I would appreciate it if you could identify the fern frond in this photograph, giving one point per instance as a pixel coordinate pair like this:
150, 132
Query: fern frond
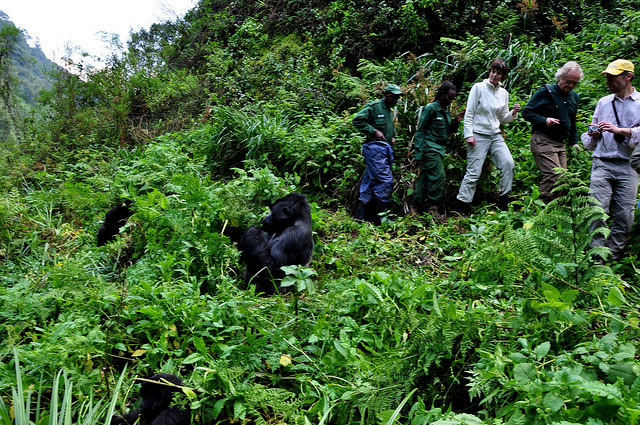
555, 242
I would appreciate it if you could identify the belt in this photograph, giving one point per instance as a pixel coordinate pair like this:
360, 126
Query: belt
547, 136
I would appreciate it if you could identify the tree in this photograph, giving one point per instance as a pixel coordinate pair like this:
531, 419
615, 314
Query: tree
9, 37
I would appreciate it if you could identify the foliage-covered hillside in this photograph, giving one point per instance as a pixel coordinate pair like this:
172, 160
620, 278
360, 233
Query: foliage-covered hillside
502, 317
30, 67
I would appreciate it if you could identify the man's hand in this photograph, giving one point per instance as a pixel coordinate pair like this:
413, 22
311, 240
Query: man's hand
379, 135
612, 128
552, 122
471, 140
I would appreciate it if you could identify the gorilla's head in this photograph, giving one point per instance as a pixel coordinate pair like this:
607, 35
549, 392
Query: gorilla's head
285, 211
157, 397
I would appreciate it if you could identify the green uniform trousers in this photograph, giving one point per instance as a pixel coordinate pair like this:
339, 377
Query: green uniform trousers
430, 184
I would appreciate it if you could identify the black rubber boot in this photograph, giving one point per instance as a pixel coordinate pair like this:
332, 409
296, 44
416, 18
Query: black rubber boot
361, 210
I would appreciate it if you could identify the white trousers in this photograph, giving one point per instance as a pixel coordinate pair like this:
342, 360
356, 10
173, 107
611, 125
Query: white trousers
496, 147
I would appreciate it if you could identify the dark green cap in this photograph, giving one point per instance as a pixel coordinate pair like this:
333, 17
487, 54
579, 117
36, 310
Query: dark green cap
394, 89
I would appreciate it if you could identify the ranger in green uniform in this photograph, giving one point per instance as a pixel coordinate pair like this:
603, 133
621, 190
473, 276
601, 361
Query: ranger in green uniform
376, 122
434, 129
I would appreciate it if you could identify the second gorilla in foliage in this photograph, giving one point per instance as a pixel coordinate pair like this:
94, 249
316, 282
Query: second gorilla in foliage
156, 406
114, 219
284, 239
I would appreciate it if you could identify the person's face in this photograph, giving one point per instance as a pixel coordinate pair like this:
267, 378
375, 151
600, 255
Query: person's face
391, 99
495, 76
617, 83
569, 81
448, 97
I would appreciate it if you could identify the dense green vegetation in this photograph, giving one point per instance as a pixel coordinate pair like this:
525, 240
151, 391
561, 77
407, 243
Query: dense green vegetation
502, 317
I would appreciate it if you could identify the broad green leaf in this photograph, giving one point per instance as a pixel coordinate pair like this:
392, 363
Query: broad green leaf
340, 348
518, 357
524, 373
626, 371
217, 408
569, 296
601, 389
193, 358
436, 307
542, 349
239, 410
550, 293
615, 297
552, 402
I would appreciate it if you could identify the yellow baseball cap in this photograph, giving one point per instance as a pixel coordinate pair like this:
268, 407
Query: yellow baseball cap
617, 67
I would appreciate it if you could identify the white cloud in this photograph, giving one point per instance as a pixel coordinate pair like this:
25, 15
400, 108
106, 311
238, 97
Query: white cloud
79, 23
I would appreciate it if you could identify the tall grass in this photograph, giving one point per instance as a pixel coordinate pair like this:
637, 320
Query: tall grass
61, 411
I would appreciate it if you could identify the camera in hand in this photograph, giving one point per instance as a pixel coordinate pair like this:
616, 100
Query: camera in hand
593, 128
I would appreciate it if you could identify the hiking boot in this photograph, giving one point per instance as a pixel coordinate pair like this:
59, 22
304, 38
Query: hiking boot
435, 213
503, 202
462, 208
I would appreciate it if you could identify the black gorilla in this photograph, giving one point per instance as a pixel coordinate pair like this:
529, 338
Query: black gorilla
155, 409
114, 219
285, 239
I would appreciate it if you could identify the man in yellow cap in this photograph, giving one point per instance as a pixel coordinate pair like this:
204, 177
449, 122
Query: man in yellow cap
613, 134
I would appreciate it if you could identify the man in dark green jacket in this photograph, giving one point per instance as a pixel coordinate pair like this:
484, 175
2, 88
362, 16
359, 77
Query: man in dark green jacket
434, 127
376, 122
552, 113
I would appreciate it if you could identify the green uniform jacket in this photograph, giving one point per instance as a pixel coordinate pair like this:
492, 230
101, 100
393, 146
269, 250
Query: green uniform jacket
434, 129
375, 116
562, 106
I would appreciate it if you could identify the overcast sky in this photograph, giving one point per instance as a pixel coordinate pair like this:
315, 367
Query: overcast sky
54, 24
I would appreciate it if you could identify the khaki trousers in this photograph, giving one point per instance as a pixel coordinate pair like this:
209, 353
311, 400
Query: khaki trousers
548, 154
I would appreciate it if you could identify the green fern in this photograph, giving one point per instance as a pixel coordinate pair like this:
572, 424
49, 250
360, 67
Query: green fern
555, 243
279, 403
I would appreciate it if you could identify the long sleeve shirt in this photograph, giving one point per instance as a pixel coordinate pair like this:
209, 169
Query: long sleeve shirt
606, 147
556, 104
487, 109
434, 128
374, 116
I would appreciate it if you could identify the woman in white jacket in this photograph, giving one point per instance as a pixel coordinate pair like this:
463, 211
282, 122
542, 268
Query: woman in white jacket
487, 109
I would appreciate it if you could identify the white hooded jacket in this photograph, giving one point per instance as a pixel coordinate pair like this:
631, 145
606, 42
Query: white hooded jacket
487, 109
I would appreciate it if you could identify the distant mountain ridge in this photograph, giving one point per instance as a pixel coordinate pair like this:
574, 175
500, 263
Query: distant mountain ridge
31, 66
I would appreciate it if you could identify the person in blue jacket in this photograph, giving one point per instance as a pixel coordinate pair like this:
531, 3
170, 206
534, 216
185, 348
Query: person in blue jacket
375, 120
